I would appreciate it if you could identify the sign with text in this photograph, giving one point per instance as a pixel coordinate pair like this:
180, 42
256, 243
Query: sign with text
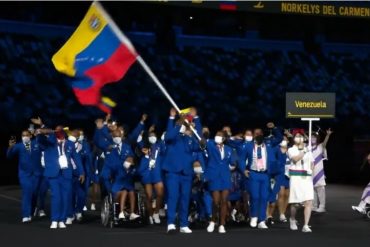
310, 105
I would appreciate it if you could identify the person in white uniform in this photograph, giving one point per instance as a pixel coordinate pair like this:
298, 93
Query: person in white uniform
301, 185
318, 176
365, 198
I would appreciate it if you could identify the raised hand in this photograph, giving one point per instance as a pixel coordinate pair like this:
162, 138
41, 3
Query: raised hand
152, 128
144, 117
36, 121
173, 112
329, 131
108, 117
270, 125
193, 111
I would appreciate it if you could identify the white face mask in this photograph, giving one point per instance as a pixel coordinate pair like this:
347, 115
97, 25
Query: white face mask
117, 140
284, 143
152, 139
72, 138
182, 129
298, 140
126, 164
26, 139
219, 139
81, 138
198, 170
248, 138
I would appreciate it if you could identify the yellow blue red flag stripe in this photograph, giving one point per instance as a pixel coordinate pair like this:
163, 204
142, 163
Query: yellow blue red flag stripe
97, 53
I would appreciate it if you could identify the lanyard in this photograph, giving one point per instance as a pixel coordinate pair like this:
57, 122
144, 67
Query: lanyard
61, 148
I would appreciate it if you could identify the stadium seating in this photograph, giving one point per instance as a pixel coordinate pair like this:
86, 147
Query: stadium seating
234, 85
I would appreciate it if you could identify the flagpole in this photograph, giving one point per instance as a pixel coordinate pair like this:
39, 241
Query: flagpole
164, 91
141, 61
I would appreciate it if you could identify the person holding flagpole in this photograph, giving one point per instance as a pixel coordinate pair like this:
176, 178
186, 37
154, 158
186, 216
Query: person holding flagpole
178, 168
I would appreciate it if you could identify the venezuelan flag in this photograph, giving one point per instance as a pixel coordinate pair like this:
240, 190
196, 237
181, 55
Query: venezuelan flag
97, 53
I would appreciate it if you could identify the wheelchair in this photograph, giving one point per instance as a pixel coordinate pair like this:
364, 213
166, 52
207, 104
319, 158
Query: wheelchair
111, 209
367, 211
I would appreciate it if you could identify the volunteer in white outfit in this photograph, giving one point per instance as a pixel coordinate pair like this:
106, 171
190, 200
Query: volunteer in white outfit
301, 185
318, 176
365, 198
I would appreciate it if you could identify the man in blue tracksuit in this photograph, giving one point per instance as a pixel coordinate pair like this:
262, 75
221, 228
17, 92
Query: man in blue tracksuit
29, 171
178, 167
79, 190
256, 160
58, 155
104, 142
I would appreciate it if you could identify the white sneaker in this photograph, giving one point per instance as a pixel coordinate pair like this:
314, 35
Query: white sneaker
321, 210
69, 221
62, 225
221, 229
26, 219
262, 225
78, 216
151, 221
162, 212
293, 225
306, 228
314, 209
185, 230
156, 219
171, 228
134, 216
54, 225
361, 210
84, 209
283, 218
92, 207
121, 215
42, 213
253, 222
211, 226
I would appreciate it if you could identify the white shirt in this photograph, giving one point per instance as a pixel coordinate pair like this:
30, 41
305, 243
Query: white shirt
254, 166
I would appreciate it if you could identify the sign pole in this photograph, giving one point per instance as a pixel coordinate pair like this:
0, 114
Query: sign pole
310, 120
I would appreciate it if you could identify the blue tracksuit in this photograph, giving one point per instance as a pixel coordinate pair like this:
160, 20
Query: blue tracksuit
80, 191
236, 186
60, 180
103, 139
258, 182
217, 171
151, 175
200, 193
113, 163
29, 173
280, 179
178, 166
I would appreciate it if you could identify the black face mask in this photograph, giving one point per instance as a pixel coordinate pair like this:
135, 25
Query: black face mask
259, 139
206, 135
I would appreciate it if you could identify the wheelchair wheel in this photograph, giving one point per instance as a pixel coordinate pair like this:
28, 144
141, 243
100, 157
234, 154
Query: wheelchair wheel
106, 212
368, 214
141, 206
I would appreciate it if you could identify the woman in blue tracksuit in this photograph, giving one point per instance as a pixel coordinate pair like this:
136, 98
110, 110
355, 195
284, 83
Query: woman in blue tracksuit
218, 175
150, 173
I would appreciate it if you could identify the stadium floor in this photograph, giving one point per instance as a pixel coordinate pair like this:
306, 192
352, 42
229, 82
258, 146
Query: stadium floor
340, 226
